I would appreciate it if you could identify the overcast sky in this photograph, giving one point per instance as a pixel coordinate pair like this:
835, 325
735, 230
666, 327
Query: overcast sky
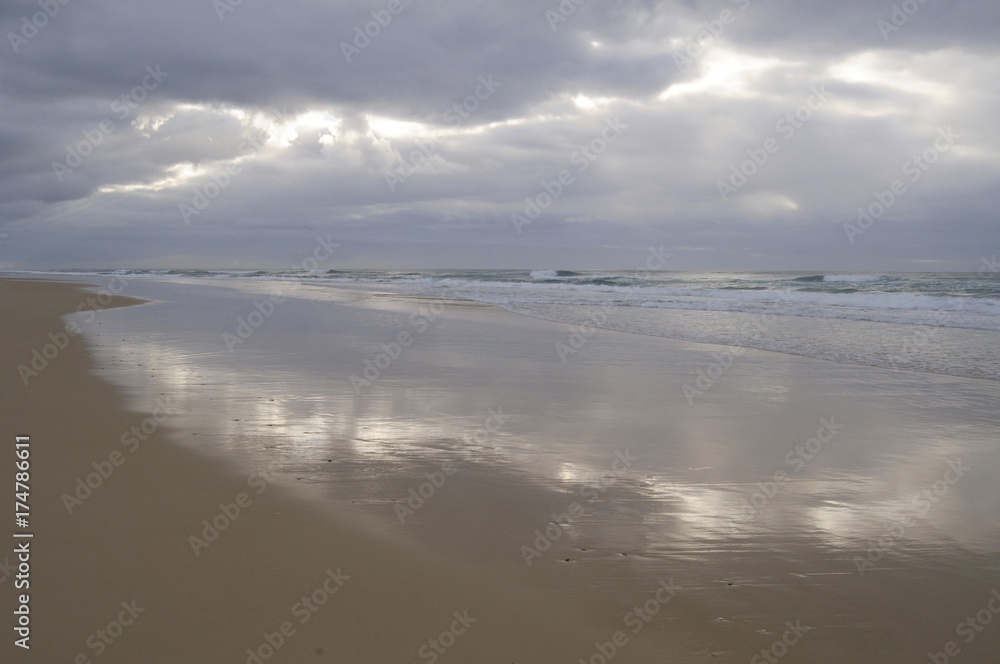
232, 134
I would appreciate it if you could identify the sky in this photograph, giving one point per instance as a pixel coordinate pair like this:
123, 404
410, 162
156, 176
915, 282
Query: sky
735, 134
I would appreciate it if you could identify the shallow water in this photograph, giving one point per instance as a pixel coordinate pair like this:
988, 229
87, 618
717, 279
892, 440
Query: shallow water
861, 501
944, 323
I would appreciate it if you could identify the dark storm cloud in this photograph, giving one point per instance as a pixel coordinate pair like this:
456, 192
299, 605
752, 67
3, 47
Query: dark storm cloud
223, 133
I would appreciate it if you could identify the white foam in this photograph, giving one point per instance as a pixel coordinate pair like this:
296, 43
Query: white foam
855, 278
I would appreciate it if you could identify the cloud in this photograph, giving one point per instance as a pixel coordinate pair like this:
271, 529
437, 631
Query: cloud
451, 117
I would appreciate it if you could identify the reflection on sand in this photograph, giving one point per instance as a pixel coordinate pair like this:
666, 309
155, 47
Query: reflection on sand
701, 502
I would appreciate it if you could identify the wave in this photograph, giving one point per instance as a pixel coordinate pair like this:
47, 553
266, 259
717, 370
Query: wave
935, 299
844, 278
855, 278
866, 317
554, 274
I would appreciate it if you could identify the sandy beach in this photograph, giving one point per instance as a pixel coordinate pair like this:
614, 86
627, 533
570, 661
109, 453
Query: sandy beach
475, 497
395, 332
128, 542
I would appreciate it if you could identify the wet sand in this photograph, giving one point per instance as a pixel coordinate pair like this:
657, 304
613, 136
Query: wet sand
785, 492
129, 542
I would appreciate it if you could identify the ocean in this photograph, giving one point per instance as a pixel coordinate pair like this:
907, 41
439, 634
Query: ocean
943, 323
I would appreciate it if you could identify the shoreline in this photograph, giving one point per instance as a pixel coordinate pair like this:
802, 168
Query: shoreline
962, 351
272, 471
128, 542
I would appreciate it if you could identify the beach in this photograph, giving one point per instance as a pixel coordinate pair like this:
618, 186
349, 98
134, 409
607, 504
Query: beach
399, 332
297, 472
129, 542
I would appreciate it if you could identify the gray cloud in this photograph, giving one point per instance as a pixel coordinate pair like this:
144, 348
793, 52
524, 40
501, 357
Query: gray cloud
260, 114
